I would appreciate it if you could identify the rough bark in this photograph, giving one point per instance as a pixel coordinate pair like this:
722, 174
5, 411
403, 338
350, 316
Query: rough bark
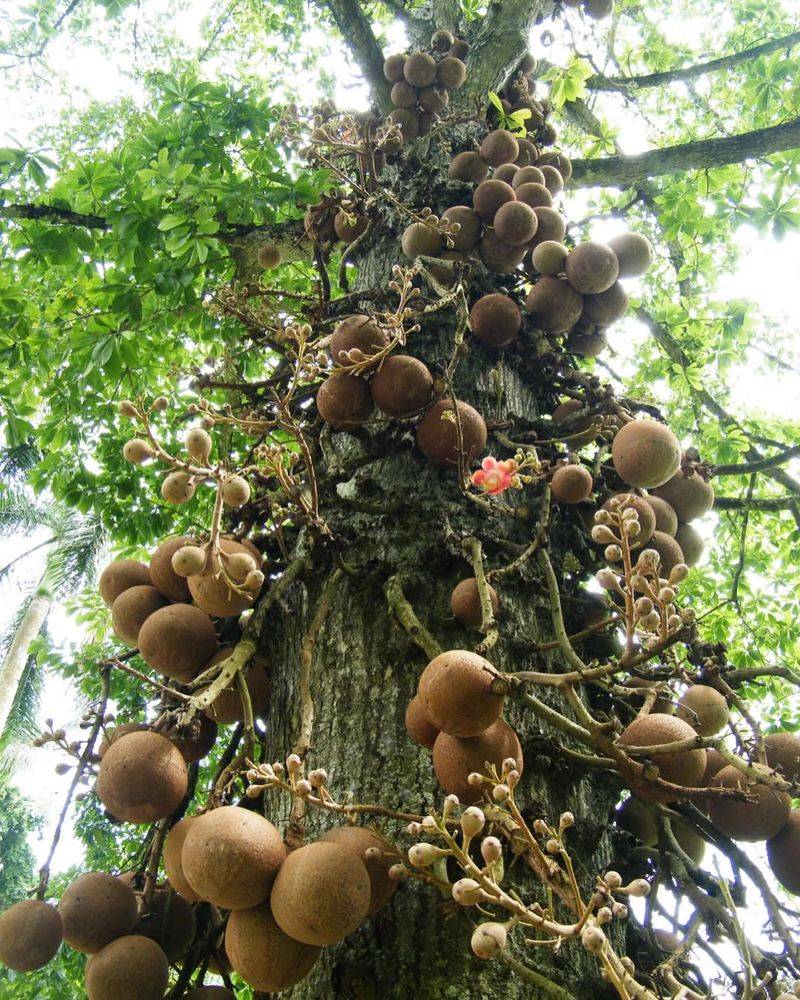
393, 515
14, 664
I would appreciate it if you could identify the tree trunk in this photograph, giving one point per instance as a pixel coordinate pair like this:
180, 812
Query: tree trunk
393, 515
14, 664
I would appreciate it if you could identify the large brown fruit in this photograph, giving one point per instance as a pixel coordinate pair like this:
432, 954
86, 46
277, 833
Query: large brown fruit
760, 819
689, 496
403, 95
227, 706
454, 758
489, 196
393, 67
321, 894
534, 196
495, 319
132, 966
173, 846
506, 173
262, 954
606, 307
553, 180
421, 240
549, 257
634, 253
350, 225
455, 690
499, 147
515, 223
670, 553
783, 853
499, 257
704, 708
142, 778
783, 754
690, 542
552, 226
230, 857
30, 935
169, 921
177, 641
211, 591
434, 99
666, 518
468, 167
465, 602
554, 305
359, 333
560, 161
163, 576
196, 741
451, 72
121, 575
95, 909
527, 175
592, 268
469, 234
686, 767
402, 386
420, 69
527, 152
647, 518
418, 726
437, 433
645, 453
132, 609
359, 839
117, 732
714, 764
344, 401
571, 484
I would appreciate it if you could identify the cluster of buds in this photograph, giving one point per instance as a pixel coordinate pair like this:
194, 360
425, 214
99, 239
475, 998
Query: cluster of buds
502, 785
289, 777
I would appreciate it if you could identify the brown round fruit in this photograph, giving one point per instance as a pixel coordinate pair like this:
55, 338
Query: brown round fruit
554, 305
95, 909
606, 307
714, 764
469, 234
121, 575
468, 167
117, 732
434, 100
454, 758
761, 819
211, 591
645, 453
666, 518
704, 708
230, 857
359, 839
321, 894
418, 726
690, 542
451, 72
527, 152
499, 257
402, 386
670, 553
269, 256
552, 226
408, 122
142, 778
689, 496
163, 576
350, 225
634, 253
571, 484
420, 69
549, 257
169, 921
515, 223
393, 67
783, 853
553, 180
421, 240
173, 846
456, 692
465, 602
647, 519
132, 609
437, 433
30, 935
592, 268
534, 195
403, 95
495, 319
506, 173
560, 161
356, 333
783, 754
527, 175
686, 767
227, 706
177, 641
344, 401
196, 742
586, 344
132, 966
499, 147
489, 196
262, 954
639, 820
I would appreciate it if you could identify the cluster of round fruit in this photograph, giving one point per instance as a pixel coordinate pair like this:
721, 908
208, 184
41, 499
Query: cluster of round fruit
284, 906
422, 81
765, 813
457, 716
519, 95
130, 940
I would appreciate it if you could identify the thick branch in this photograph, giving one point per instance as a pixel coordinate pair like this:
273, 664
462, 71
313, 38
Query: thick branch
356, 30
746, 468
50, 213
705, 154
770, 504
599, 82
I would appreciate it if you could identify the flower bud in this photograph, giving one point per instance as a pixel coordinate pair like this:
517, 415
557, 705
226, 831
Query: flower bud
136, 451
472, 821
648, 559
603, 535
566, 820
294, 764
423, 855
467, 892
642, 606
687, 615
612, 879
639, 887
127, 409
666, 595
607, 579
552, 846
303, 787
474, 779
429, 824
674, 622
632, 528
491, 849
398, 873
500, 793
604, 915
593, 939
254, 580
414, 829
678, 573
540, 827
613, 553
620, 911
160, 403
651, 622
603, 517
318, 777
488, 939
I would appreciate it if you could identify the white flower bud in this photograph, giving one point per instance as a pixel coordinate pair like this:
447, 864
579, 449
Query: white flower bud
603, 535
540, 827
613, 553
607, 579
472, 821
552, 846
648, 559
612, 879
474, 779
603, 517
642, 606
423, 855
639, 887
678, 573
666, 595
293, 764
674, 622
451, 802
491, 849
593, 939
632, 528
500, 793
303, 787
566, 820
414, 829
687, 614
429, 824
651, 622
318, 777
398, 873
604, 915
620, 911
467, 892
488, 939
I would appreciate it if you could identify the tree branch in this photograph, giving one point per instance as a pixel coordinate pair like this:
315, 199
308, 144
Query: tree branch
600, 82
755, 503
50, 213
356, 30
745, 468
704, 154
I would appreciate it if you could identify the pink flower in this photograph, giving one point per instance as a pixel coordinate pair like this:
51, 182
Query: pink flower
495, 477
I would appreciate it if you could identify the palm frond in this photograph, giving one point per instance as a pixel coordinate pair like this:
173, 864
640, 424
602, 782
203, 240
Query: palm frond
19, 512
73, 559
16, 461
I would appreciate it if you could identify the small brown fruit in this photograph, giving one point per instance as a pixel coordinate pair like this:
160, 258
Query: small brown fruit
402, 386
506, 173
120, 575
471, 227
459, 49
489, 196
321, 894
178, 488
527, 175
761, 819
554, 305
783, 854
534, 195
552, 226
499, 147
690, 542
437, 433
359, 839
560, 161
566, 409
262, 954
685, 767
451, 72
420, 69
666, 518
704, 708
132, 966
456, 691
469, 168
515, 223
689, 496
95, 909
465, 602
173, 846
495, 319
418, 726
645, 453
421, 240
136, 451
499, 257
549, 257
592, 268
30, 935
441, 40
634, 253
132, 609
269, 256
177, 641
455, 758
571, 484
606, 307
142, 778
235, 491
162, 573
350, 225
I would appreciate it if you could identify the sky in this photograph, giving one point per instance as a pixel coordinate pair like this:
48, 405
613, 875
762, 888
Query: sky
768, 274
